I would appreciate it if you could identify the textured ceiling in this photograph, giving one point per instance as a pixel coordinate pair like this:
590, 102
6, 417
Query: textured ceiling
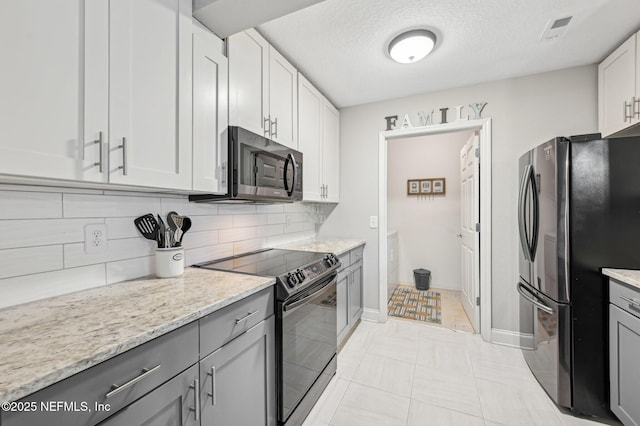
340, 45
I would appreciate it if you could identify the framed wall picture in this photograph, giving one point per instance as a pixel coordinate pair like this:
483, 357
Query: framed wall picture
438, 186
413, 187
425, 186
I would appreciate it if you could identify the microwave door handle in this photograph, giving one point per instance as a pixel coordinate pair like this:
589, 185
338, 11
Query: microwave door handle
291, 160
524, 239
536, 213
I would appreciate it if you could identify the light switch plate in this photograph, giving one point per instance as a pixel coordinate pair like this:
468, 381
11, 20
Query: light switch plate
373, 222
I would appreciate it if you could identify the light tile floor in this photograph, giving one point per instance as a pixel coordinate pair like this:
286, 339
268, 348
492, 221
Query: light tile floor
412, 374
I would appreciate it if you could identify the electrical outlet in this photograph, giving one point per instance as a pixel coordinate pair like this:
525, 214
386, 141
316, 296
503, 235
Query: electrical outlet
373, 222
95, 238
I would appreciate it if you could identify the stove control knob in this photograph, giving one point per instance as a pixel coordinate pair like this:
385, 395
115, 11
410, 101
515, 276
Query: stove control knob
292, 279
301, 276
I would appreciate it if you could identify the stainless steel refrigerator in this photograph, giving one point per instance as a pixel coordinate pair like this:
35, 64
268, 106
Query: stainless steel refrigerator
578, 211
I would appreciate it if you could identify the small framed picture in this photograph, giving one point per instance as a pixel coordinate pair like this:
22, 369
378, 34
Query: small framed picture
438, 186
413, 187
425, 186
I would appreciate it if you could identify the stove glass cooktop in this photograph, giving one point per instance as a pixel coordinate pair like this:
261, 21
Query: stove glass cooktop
270, 262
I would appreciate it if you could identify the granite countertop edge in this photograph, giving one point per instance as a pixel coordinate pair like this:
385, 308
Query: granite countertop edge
337, 246
630, 277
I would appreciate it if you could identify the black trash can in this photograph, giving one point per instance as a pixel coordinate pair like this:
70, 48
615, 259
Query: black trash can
422, 278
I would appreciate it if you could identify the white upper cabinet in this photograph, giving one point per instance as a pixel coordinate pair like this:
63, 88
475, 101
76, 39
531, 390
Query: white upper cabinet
210, 109
54, 86
150, 93
263, 89
97, 91
619, 88
319, 142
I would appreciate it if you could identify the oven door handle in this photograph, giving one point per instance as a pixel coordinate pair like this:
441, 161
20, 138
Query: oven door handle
290, 306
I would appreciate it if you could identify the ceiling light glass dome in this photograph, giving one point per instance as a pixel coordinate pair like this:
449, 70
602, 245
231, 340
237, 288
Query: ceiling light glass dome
411, 46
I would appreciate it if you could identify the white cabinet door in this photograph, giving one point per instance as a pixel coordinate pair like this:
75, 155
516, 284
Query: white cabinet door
249, 81
150, 93
53, 86
616, 88
331, 152
310, 105
210, 143
283, 100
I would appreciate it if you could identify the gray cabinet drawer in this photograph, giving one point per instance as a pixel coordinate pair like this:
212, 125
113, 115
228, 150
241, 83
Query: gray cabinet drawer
356, 254
344, 260
163, 357
224, 325
623, 296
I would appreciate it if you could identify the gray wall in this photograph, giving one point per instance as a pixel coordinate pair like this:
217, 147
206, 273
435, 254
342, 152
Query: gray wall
525, 112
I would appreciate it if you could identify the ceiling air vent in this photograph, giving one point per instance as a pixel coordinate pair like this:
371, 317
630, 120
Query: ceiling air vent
555, 28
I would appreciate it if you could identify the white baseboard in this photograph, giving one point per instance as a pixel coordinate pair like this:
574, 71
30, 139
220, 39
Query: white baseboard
512, 339
370, 315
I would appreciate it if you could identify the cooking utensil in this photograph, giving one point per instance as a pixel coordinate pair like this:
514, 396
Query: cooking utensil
147, 225
171, 220
162, 241
186, 225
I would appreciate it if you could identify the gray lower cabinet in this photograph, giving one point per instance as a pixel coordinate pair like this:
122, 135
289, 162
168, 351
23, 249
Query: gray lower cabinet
624, 347
350, 292
173, 403
237, 381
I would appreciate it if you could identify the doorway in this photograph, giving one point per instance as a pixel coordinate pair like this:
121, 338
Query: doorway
482, 127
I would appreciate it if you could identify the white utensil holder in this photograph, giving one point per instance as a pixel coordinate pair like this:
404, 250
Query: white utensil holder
169, 262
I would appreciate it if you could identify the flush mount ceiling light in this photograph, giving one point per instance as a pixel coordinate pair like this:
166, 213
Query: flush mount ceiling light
411, 46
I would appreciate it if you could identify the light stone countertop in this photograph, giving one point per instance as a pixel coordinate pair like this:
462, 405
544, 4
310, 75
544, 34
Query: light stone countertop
627, 276
337, 246
49, 340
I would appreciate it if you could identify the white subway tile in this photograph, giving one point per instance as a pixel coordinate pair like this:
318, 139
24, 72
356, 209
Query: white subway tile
200, 239
293, 227
204, 254
236, 209
30, 205
236, 234
244, 220
121, 227
39, 232
79, 205
211, 223
32, 260
269, 230
273, 219
309, 226
297, 217
294, 208
130, 269
28, 288
270, 208
121, 249
185, 208
249, 245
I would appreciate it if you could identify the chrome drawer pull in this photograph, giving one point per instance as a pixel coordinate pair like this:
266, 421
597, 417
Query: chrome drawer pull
244, 318
628, 106
116, 389
633, 304
100, 162
196, 399
212, 373
124, 156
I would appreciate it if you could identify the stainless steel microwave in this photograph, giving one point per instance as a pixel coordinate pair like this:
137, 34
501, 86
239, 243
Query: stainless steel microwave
260, 170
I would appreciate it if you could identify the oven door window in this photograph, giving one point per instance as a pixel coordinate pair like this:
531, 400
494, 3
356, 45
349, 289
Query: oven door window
308, 342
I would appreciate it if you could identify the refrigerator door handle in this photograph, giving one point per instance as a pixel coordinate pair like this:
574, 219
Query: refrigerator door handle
524, 239
533, 299
536, 214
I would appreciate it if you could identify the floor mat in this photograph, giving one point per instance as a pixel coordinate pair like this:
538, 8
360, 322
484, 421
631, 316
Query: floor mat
421, 305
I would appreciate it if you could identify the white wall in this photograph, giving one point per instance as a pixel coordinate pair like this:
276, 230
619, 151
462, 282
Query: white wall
427, 225
525, 111
42, 233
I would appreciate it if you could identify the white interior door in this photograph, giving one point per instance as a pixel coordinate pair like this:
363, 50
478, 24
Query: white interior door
469, 237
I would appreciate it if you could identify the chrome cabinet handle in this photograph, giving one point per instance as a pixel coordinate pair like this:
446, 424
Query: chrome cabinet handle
244, 318
124, 156
224, 173
99, 163
636, 103
116, 389
326, 191
628, 106
196, 399
274, 124
212, 394
267, 125
633, 304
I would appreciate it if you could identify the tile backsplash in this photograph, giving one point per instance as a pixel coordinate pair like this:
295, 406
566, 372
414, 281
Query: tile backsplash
42, 236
